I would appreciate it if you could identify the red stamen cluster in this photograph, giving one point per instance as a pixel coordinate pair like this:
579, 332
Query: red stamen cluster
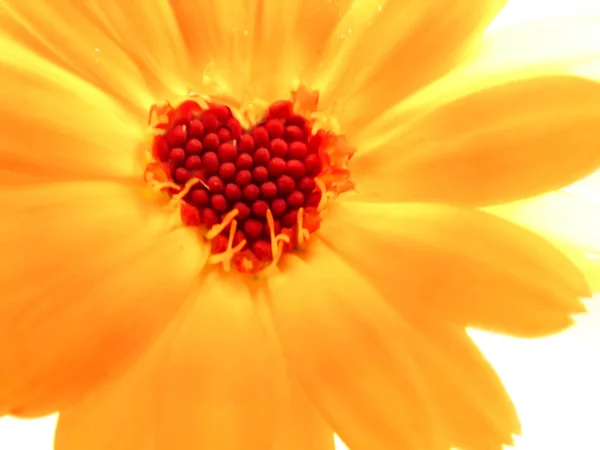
269, 167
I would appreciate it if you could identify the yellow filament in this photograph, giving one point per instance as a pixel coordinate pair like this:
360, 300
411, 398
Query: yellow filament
230, 251
303, 233
176, 200
216, 229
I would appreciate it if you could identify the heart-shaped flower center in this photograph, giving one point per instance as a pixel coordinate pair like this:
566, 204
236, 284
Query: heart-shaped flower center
258, 192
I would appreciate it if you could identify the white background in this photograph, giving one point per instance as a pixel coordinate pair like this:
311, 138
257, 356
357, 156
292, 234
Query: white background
555, 382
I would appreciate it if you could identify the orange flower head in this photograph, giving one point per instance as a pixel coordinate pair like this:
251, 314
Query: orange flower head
252, 224
256, 193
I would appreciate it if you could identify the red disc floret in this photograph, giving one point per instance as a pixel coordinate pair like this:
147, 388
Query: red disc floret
271, 167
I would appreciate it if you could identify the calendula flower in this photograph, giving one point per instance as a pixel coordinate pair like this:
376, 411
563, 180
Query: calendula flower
228, 225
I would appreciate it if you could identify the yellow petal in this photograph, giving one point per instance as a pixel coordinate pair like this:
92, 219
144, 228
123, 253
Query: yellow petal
258, 48
208, 383
505, 143
569, 222
303, 427
501, 55
477, 409
383, 51
68, 35
350, 352
88, 276
54, 125
218, 379
463, 265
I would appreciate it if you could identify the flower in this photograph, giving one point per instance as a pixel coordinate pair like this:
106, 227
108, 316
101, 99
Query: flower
153, 315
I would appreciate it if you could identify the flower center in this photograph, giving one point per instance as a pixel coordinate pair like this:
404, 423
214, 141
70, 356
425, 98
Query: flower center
256, 193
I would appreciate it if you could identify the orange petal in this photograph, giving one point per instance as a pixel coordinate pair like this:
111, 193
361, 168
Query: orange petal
568, 221
54, 125
463, 265
381, 52
258, 48
524, 50
477, 409
88, 276
69, 37
302, 427
218, 380
207, 383
350, 352
489, 147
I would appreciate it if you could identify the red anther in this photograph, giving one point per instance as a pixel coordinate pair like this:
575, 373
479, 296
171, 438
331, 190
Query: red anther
293, 133
195, 129
185, 112
262, 156
181, 175
252, 228
190, 215
215, 185
193, 147
276, 167
260, 136
227, 152
314, 142
193, 162
177, 137
221, 112
296, 120
260, 174
307, 185
219, 244
224, 135
244, 161
199, 197
177, 156
278, 207
297, 150
312, 165
238, 237
233, 192
235, 127
295, 169
243, 178
246, 143
251, 192
268, 190
227, 171
210, 217
295, 199
211, 142
281, 109
219, 203
210, 122
262, 250
285, 184
289, 219
210, 163
260, 208
243, 211
274, 128
279, 148
314, 199
160, 149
